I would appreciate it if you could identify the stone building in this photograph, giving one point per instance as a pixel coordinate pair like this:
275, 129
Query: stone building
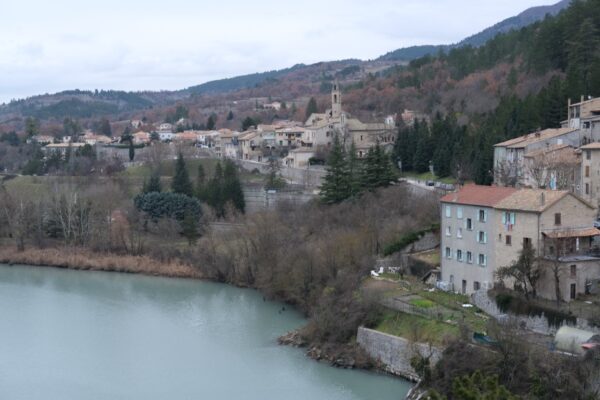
484, 228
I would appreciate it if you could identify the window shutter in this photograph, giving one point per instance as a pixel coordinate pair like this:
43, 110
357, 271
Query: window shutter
484, 260
484, 237
513, 218
504, 218
484, 215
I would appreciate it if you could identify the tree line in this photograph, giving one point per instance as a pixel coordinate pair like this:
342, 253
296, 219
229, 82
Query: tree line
348, 176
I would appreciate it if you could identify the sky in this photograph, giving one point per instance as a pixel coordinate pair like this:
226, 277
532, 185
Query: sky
50, 46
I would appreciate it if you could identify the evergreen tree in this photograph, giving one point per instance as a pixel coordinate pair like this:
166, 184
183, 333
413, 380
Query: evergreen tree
423, 150
311, 107
181, 181
214, 192
584, 59
189, 227
354, 171
336, 186
230, 115
153, 184
232, 187
247, 123
211, 122
32, 126
377, 171
131, 150
104, 128
201, 183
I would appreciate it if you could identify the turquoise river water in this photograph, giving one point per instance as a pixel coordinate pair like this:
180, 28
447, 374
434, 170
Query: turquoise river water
92, 335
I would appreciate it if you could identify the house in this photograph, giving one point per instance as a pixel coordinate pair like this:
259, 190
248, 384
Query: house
484, 228
249, 146
166, 136
136, 123
276, 106
186, 136
42, 139
165, 127
226, 144
289, 136
299, 158
207, 139
554, 167
590, 173
92, 139
585, 116
509, 167
409, 117
62, 148
141, 137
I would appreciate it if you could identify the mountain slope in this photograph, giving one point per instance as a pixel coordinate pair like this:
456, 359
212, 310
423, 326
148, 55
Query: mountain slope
525, 18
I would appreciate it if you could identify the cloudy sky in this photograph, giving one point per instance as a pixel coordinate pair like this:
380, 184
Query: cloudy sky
49, 46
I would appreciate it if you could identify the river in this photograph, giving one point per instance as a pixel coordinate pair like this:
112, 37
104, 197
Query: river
92, 335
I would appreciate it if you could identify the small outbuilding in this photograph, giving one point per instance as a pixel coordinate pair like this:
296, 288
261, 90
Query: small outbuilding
575, 341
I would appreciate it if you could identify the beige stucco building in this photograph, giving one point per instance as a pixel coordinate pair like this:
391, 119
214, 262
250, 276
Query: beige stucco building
484, 228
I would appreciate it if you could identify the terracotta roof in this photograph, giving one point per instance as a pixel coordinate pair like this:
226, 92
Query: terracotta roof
533, 200
591, 146
531, 138
549, 149
573, 233
476, 195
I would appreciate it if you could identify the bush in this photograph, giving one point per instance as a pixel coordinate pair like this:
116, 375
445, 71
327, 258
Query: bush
170, 205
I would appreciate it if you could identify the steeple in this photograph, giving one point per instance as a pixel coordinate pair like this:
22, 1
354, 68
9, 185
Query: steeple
336, 100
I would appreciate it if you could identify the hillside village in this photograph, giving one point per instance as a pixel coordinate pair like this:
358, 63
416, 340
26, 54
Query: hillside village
437, 220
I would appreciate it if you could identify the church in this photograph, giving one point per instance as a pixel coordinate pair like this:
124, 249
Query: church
337, 121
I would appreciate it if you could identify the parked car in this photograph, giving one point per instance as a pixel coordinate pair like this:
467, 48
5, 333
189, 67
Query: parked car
430, 183
597, 223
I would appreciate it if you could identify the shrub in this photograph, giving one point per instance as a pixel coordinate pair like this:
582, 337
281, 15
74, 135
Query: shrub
170, 205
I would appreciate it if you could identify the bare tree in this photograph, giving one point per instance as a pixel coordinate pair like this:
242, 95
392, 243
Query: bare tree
18, 216
506, 173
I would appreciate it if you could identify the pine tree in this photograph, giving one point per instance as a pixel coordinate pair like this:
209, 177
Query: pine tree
189, 227
336, 187
181, 181
232, 187
201, 183
423, 150
214, 192
153, 184
311, 107
131, 150
378, 170
230, 115
211, 122
354, 171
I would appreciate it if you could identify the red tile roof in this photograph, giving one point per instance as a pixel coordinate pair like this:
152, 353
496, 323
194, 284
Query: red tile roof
476, 195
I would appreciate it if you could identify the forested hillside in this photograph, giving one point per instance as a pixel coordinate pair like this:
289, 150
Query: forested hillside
525, 18
536, 70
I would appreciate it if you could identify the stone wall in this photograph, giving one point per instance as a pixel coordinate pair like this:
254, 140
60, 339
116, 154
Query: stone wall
535, 324
258, 199
394, 352
308, 177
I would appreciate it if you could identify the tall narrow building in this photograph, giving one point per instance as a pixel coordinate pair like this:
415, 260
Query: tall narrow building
336, 100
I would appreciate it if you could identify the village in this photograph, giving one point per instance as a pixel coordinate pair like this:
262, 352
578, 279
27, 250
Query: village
523, 253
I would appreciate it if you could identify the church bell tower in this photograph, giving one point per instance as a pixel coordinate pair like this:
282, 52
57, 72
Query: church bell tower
336, 100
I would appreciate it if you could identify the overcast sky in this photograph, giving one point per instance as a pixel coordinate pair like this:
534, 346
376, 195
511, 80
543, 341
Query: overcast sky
49, 46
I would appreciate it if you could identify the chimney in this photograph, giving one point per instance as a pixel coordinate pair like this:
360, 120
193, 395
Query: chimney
582, 98
543, 198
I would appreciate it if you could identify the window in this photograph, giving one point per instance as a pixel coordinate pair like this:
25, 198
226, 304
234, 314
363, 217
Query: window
469, 224
587, 188
481, 237
508, 240
557, 219
448, 253
459, 255
508, 219
459, 212
476, 286
526, 242
573, 271
588, 154
459, 233
587, 171
469, 257
482, 260
448, 231
448, 212
482, 215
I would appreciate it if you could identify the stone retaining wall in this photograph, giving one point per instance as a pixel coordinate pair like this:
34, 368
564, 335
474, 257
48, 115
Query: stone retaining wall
395, 352
535, 324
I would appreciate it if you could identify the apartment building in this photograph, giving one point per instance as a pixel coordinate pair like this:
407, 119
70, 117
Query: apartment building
484, 228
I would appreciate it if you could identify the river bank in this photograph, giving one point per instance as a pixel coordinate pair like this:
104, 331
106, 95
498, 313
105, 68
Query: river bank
341, 355
84, 259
